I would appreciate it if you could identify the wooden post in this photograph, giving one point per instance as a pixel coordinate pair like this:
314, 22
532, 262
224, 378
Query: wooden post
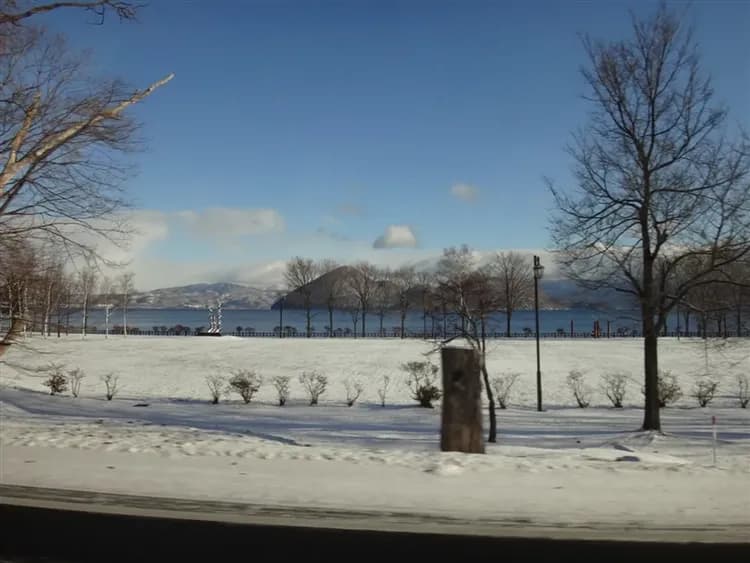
461, 428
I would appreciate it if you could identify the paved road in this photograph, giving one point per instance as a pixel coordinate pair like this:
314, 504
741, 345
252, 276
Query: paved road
61, 526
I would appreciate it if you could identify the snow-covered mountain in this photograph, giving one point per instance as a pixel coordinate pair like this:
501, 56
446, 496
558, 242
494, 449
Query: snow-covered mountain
233, 296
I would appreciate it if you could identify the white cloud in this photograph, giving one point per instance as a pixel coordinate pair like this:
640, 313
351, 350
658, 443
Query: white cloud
220, 222
465, 192
396, 236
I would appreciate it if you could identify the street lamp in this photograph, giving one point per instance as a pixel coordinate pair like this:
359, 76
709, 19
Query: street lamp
538, 273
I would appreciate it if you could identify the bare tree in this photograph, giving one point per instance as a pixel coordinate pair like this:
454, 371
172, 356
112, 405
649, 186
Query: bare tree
424, 281
106, 299
351, 304
471, 294
299, 275
62, 133
333, 288
404, 281
658, 183
126, 287
86, 284
383, 295
11, 13
515, 282
361, 282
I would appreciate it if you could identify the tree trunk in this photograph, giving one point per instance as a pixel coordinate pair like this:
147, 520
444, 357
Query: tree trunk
651, 419
403, 323
508, 313
461, 419
85, 320
309, 323
364, 316
330, 321
13, 333
490, 396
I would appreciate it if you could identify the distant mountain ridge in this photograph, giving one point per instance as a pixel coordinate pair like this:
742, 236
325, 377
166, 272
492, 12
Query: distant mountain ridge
556, 294
201, 295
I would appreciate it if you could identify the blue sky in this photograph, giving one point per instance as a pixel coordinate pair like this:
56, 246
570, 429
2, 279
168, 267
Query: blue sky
311, 127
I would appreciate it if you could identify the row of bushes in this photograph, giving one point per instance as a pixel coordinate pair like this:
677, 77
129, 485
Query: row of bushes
421, 380
615, 387
57, 381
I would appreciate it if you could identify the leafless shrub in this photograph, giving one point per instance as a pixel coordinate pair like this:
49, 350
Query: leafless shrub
502, 386
669, 390
383, 389
704, 391
246, 383
577, 385
281, 383
110, 381
75, 376
56, 381
217, 385
743, 390
354, 389
421, 380
615, 385
315, 384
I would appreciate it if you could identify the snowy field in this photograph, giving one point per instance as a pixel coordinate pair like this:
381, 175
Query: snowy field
563, 467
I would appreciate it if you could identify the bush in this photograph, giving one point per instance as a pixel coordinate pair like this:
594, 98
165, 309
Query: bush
56, 381
75, 376
580, 390
354, 389
217, 387
615, 386
110, 381
281, 383
705, 390
246, 383
383, 389
421, 381
502, 386
669, 390
315, 384
743, 390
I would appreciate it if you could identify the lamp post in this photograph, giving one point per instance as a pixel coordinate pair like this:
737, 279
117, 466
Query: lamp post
538, 273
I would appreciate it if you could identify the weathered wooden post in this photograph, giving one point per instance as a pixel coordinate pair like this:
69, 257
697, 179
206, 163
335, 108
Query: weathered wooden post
461, 429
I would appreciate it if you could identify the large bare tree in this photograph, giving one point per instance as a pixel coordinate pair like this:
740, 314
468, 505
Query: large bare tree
299, 275
63, 133
333, 287
515, 283
471, 294
126, 288
658, 183
361, 281
86, 285
405, 281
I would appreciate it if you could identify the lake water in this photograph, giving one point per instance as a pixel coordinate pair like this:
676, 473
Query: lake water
266, 320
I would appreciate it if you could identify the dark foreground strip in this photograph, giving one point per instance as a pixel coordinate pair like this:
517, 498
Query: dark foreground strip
46, 534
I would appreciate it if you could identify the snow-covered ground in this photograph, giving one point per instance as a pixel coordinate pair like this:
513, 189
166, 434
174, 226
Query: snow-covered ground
565, 466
